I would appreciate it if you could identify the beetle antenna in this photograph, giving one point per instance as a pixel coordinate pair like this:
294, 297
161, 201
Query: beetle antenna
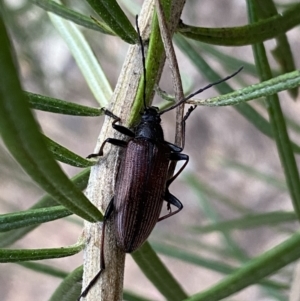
143, 60
201, 90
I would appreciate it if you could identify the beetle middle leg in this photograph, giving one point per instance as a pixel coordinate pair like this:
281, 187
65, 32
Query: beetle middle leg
177, 157
109, 210
168, 197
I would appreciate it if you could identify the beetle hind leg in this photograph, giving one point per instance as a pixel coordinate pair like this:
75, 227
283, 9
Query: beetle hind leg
172, 200
109, 210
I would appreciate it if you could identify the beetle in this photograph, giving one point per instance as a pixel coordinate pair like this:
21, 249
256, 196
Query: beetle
143, 179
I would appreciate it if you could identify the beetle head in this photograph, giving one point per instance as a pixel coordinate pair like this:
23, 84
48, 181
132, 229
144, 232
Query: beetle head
151, 114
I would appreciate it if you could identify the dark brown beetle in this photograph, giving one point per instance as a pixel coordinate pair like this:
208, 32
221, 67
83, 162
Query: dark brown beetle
142, 182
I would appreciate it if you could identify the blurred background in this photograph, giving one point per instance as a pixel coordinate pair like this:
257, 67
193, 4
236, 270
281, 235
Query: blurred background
234, 169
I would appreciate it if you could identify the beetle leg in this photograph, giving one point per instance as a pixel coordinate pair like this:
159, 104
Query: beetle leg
122, 129
177, 157
110, 114
113, 141
109, 210
169, 207
171, 199
174, 148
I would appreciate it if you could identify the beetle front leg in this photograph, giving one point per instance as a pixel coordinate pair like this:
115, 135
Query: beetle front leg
186, 116
113, 141
109, 210
120, 128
